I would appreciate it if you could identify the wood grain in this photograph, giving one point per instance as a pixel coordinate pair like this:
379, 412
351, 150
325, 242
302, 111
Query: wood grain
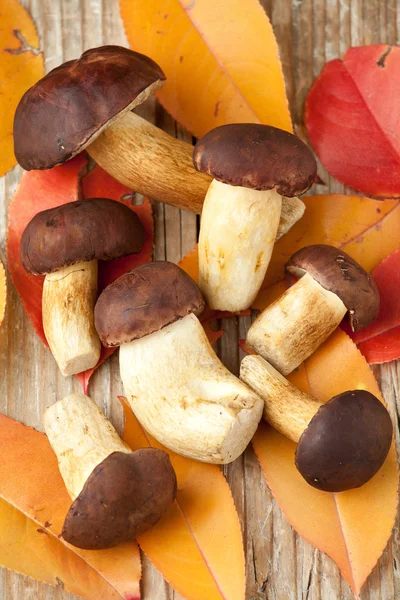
280, 565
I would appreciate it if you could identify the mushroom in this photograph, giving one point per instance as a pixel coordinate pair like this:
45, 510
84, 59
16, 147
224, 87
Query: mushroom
341, 444
117, 494
65, 243
331, 284
175, 383
253, 167
87, 103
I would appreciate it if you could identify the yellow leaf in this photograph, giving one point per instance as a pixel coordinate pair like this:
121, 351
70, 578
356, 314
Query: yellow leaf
21, 65
220, 57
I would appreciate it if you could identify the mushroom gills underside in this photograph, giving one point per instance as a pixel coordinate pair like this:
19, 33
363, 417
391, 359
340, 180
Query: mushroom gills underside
185, 397
296, 324
237, 235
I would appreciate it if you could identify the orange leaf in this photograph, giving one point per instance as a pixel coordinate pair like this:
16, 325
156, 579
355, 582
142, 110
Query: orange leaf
21, 65
351, 527
219, 69
198, 545
3, 292
366, 229
33, 504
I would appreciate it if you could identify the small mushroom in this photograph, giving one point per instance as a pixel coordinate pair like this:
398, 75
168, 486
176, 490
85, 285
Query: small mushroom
341, 444
87, 103
253, 167
175, 383
331, 284
65, 243
117, 494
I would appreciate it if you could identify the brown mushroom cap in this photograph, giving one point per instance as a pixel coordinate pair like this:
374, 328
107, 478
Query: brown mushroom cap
337, 272
346, 442
143, 301
97, 228
258, 157
124, 496
66, 110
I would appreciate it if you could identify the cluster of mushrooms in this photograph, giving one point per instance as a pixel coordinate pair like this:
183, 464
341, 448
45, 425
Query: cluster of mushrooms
249, 177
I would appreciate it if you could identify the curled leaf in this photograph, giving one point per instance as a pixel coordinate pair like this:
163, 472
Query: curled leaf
211, 79
198, 545
353, 119
352, 527
21, 65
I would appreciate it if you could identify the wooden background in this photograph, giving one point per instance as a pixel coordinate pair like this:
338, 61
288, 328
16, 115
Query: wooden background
280, 565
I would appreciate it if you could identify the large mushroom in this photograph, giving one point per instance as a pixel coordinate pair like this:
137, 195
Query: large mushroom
341, 444
253, 167
175, 383
65, 243
117, 494
330, 284
87, 103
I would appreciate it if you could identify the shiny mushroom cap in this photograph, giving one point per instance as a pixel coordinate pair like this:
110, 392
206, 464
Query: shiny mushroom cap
145, 300
96, 228
258, 157
337, 272
345, 443
66, 110
124, 496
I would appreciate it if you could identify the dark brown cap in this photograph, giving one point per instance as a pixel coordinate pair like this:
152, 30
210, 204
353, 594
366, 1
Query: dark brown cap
337, 272
346, 442
143, 301
65, 111
97, 228
124, 496
258, 157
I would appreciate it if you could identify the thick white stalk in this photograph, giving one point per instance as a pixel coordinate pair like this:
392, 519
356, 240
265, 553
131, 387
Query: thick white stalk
81, 438
185, 397
294, 326
286, 408
69, 296
237, 236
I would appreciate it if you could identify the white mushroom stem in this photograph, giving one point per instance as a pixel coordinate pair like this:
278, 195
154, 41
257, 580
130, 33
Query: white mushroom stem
81, 438
152, 162
185, 397
69, 296
294, 326
286, 408
237, 236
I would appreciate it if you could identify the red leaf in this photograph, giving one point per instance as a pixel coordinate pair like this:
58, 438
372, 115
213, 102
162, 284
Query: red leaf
37, 191
380, 342
40, 190
353, 119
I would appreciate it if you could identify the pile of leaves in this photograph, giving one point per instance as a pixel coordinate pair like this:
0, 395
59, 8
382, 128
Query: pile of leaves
202, 529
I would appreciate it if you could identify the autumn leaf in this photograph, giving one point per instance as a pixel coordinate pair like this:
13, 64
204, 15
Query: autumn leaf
40, 190
353, 119
21, 65
380, 342
31, 519
3, 292
198, 545
211, 78
351, 527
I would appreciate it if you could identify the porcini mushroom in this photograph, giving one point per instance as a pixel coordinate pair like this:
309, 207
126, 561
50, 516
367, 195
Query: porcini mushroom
341, 444
331, 284
175, 383
65, 243
87, 103
117, 494
253, 167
